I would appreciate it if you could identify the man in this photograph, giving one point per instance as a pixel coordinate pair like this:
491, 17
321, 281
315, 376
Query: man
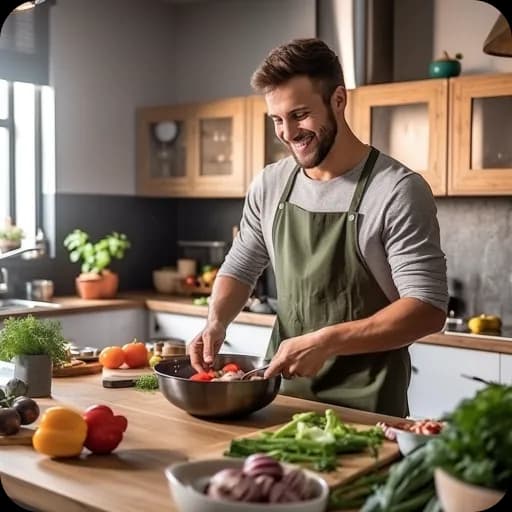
353, 239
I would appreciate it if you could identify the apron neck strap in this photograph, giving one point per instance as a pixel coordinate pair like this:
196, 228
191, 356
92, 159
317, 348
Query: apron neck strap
361, 184
363, 179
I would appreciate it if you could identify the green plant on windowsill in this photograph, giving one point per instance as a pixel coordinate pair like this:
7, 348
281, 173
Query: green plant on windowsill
96, 279
10, 236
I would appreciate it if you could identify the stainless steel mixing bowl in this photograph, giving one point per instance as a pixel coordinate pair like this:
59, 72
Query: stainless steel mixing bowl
215, 399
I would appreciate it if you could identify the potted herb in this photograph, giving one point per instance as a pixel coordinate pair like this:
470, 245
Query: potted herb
10, 236
96, 280
34, 346
473, 453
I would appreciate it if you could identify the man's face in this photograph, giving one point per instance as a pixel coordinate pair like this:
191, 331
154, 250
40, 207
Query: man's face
302, 121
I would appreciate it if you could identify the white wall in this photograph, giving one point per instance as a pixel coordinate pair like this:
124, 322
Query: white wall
106, 58
463, 26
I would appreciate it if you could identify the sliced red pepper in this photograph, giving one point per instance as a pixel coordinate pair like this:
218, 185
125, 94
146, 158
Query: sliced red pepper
231, 367
201, 377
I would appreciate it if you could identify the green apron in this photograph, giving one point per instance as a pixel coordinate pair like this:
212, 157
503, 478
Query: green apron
322, 279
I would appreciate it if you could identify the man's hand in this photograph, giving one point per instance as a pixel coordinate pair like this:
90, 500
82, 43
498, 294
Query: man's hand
302, 356
205, 345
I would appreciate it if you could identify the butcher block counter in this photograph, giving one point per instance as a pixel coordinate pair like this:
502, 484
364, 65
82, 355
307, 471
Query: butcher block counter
132, 477
153, 301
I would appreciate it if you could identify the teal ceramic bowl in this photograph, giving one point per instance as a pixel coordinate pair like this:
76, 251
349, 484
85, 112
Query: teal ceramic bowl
444, 68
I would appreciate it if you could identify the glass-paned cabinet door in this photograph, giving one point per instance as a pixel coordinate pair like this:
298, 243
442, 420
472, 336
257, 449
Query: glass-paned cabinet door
164, 157
481, 127
409, 122
265, 146
220, 170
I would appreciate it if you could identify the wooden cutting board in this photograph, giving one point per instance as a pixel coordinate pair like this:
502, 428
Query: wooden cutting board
351, 466
126, 373
23, 437
80, 369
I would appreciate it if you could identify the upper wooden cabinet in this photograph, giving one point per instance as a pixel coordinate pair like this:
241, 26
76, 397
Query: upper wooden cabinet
195, 150
408, 121
264, 146
481, 135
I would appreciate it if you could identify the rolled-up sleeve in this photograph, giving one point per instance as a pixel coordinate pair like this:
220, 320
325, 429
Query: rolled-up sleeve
412, 243
248, 256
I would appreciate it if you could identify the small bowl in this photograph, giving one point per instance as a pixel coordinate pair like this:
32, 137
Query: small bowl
187, 480
220, 399
409, 441
166, 280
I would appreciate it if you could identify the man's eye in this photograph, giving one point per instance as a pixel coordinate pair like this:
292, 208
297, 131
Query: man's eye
277, 121
299, 116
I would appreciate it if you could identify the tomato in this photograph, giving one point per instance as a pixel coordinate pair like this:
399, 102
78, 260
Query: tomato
231, 367
112, 357
191, 281
135, 354
201, 377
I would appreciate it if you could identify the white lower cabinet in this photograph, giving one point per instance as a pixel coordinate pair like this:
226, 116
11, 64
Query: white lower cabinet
240, 338
104, 328
506, 369
437, 385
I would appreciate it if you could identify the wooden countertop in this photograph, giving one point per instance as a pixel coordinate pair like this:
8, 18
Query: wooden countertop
183, 305
132, 478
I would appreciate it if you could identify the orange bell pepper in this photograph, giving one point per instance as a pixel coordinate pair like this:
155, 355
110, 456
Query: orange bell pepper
61, 433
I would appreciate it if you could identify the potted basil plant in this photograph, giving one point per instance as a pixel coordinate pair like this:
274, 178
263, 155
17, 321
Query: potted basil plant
96, 279
472, 455
34, 346
10, 236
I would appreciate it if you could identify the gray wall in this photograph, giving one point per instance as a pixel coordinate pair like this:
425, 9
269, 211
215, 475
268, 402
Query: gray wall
106, 58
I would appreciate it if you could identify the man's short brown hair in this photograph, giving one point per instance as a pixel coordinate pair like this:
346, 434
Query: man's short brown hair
300, 57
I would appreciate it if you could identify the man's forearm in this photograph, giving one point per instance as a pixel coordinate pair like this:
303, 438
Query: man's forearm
227, 299
395, 326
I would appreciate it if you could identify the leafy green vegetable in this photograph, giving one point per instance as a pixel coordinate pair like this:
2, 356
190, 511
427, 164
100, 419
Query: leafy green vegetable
147, 383
33, 336
408, 488
310, 438
476, 444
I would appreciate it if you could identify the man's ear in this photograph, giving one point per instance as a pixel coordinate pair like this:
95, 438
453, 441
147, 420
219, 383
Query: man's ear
339, 99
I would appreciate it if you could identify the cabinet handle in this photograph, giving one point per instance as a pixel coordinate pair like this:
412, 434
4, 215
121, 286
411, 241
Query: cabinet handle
227, 343
414, 369
156, 325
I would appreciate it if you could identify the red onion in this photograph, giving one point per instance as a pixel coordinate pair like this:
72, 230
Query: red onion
280, 493
297, 481
261, 464
265, 484
232, 484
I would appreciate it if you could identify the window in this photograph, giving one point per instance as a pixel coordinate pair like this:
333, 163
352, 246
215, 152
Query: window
27, 159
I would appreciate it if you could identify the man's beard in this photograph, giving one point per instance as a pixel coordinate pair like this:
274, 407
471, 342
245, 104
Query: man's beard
325, 141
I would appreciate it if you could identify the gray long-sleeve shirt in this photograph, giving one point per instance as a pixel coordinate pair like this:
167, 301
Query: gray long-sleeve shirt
398, 233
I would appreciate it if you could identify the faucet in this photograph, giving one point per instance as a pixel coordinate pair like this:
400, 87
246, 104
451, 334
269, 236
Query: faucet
4, 284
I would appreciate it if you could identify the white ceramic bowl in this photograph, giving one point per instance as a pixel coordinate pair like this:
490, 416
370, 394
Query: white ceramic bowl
186, 480
166, 280
409, 441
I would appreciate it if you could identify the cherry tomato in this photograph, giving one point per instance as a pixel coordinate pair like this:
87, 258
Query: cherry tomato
112, 357
201, 377
135, 354
231, 367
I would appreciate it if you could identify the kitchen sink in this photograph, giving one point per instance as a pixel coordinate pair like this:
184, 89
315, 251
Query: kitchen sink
21, 305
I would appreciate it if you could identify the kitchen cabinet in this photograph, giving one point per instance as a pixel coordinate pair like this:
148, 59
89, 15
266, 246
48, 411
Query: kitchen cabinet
240, 338
481, 135
506, 369
409, 121
104, 328
193, 150
437, 385
456, 132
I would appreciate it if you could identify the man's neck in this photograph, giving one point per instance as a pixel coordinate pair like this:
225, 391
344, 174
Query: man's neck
347, 152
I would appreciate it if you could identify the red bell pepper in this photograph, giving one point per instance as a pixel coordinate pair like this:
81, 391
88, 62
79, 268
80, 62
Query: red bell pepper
104, 429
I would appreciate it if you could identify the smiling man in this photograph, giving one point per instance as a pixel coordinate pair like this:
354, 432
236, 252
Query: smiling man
352, 236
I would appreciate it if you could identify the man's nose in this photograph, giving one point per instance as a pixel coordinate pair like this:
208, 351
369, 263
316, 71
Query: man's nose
289, 131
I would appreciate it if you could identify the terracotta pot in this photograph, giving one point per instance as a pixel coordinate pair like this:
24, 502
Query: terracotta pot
458, 496
89, 286
9, 245
110, 284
